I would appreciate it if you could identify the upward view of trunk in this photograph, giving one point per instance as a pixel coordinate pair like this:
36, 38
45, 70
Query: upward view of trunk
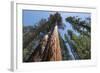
52, 51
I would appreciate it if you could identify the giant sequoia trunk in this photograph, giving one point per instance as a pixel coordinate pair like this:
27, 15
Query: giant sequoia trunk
52, 51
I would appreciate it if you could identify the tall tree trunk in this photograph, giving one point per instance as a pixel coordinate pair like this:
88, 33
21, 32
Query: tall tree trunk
52, 51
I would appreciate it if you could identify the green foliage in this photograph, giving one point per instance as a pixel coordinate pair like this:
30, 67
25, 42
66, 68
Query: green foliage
56, 18
82, 26
82, 45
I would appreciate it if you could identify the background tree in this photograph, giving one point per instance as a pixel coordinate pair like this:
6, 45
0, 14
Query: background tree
81, 42
81, 26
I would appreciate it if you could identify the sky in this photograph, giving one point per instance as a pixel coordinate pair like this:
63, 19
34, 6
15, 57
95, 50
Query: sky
32, 17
